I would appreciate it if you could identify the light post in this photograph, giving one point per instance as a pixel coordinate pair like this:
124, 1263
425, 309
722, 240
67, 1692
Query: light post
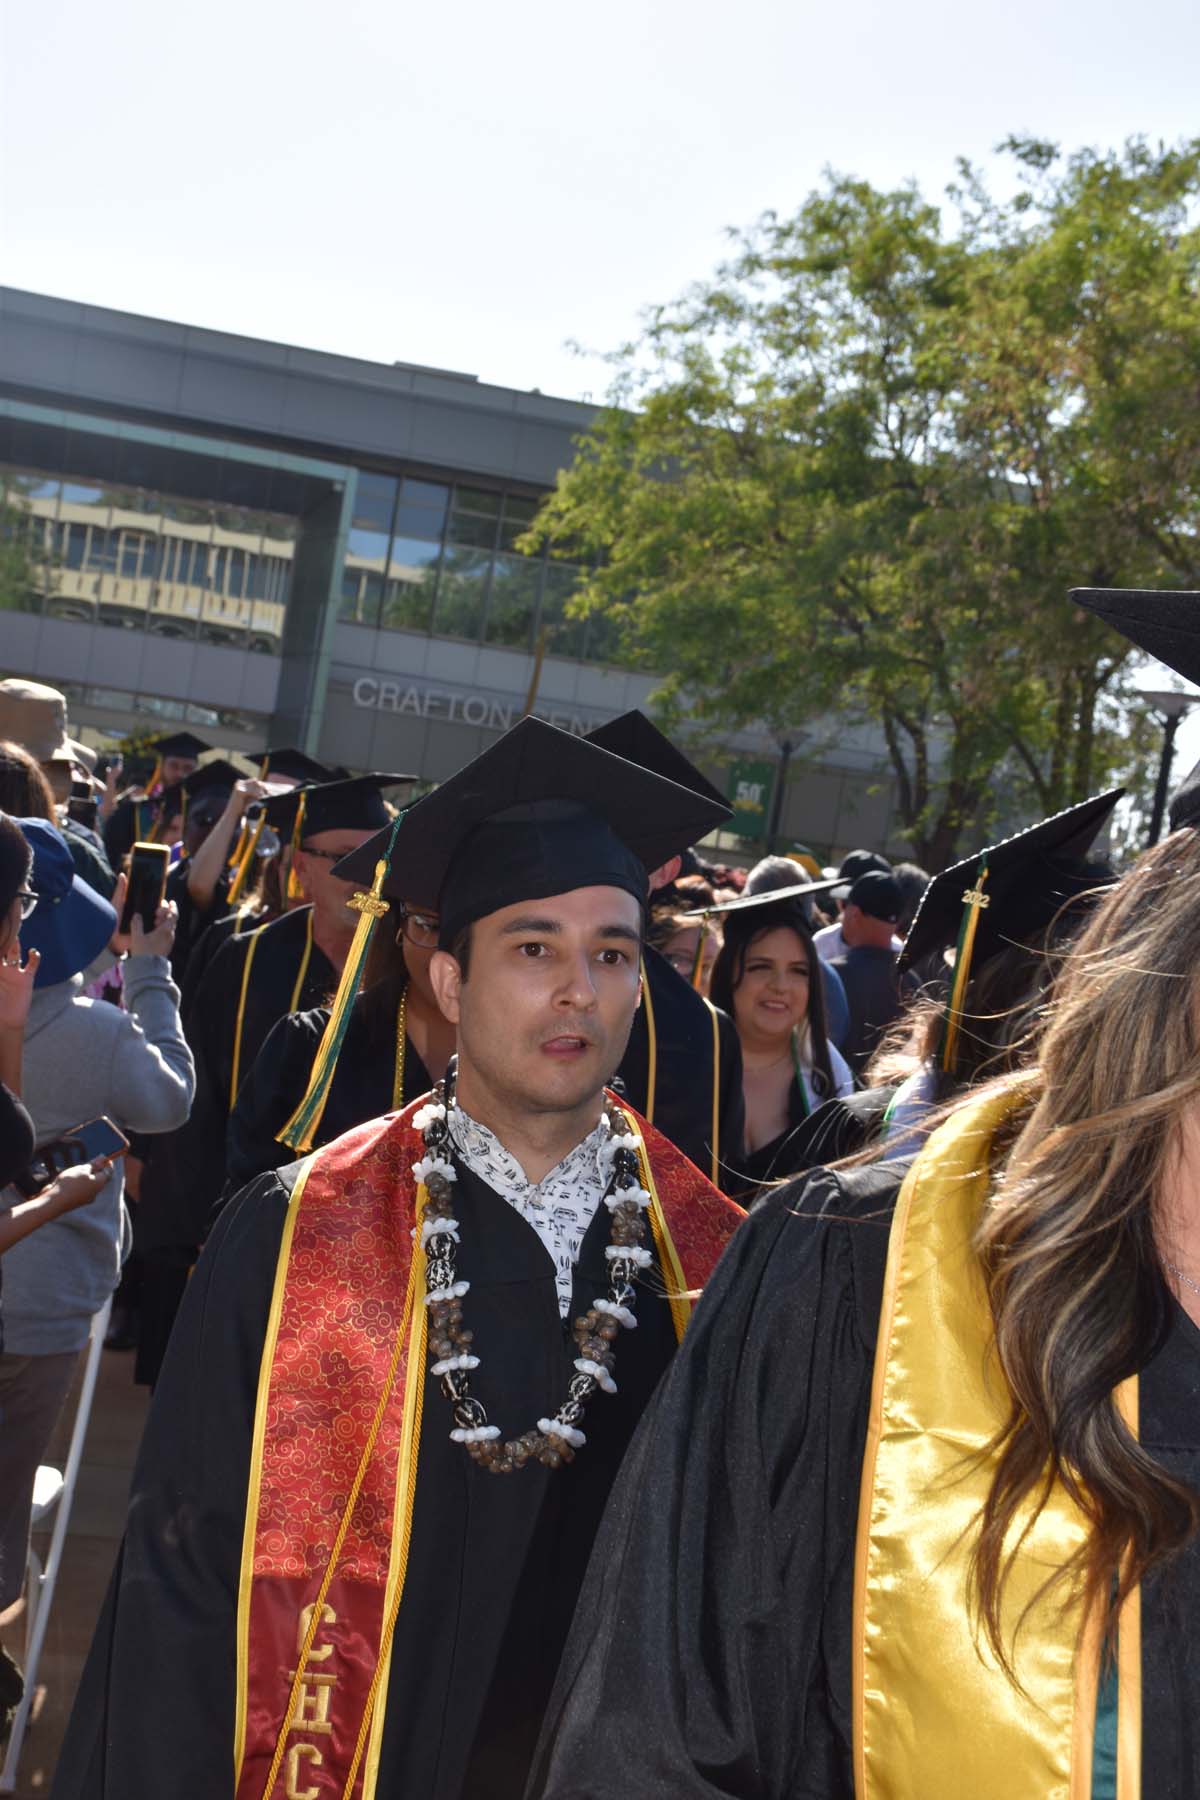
788, 746
1171, 706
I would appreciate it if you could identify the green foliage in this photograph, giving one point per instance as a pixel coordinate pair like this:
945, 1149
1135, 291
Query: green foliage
855, 474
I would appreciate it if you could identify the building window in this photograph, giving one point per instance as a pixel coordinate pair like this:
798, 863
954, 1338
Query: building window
126, 556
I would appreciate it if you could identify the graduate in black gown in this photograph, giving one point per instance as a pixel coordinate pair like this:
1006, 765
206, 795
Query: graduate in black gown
138, 813
542, 985
683, 1066
1040, 885
290, 965
843, 1558
397, 1045
207, 795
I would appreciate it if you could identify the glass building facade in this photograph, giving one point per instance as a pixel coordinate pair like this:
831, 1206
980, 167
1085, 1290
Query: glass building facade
272, 544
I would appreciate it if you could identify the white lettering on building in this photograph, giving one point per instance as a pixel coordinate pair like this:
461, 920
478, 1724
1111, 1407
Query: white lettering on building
448, 703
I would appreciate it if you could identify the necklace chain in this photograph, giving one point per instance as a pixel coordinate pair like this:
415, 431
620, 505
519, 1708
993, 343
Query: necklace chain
1174, 1269
451, 1352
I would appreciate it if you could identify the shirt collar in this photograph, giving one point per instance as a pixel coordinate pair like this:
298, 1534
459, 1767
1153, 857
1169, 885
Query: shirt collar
482, 1150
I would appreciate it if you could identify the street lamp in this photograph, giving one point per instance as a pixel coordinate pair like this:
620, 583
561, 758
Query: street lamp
1171, 706
788, 744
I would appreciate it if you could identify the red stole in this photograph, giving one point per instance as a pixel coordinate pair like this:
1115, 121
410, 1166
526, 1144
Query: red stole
336, 1441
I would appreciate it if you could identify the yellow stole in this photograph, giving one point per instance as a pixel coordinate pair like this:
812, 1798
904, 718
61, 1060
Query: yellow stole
337, 1434
934, 1714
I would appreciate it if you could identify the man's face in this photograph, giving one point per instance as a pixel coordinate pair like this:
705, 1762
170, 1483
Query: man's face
175, 768
545, 1012
330, 896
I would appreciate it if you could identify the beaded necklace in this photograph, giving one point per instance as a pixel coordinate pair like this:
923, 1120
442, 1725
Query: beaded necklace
452, 1357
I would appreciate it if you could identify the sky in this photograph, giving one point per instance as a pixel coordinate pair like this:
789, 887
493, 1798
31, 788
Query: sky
474, 186
479, 187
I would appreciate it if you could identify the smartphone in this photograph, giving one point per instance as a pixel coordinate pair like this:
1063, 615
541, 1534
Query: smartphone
99, 1137
75, 1149
148, 864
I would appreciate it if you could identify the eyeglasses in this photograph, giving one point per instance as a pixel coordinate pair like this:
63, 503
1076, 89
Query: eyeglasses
28, 900
421, 929
325, 855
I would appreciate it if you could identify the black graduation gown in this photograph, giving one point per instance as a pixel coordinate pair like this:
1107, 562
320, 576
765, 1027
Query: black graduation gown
194, 920
683, 1105
362, 1088
186, 1174
711, 1650
839, 1127
494, 1565
233, 924
129, 820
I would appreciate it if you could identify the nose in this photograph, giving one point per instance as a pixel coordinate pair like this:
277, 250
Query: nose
577, 990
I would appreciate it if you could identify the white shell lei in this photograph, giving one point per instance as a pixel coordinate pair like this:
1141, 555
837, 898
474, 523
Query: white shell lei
452, 1358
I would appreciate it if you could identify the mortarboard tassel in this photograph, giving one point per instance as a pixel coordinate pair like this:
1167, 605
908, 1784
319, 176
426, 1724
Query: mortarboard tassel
974, 901
294, 890
301, 1128
698, 959
155, 778
246, 861
234, 860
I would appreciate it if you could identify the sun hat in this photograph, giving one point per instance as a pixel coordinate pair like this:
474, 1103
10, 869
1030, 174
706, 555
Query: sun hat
71, 923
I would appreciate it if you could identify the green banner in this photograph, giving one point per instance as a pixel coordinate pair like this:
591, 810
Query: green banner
750, 785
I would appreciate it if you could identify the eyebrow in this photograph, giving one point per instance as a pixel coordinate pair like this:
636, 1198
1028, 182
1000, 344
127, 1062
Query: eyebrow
552, 928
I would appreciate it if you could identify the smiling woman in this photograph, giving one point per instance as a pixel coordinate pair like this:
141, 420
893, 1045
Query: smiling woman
767, 978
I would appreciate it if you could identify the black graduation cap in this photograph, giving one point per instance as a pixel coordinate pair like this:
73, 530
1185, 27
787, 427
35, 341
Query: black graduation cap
217, 776
540, 812
769, 897
639, 741
294, 765
1163, 622
1029, 878
179, 743
354, 804
1166, 624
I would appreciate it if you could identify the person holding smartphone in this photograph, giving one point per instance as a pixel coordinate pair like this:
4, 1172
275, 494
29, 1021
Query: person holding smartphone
82, 1059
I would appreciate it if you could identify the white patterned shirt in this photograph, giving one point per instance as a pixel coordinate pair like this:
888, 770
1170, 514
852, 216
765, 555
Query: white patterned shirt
560, 1206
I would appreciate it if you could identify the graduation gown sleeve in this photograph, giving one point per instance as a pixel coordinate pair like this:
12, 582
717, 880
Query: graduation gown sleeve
710, 1653
172, 1602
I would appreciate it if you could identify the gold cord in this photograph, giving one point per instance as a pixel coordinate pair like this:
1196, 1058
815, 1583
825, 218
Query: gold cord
401, 1042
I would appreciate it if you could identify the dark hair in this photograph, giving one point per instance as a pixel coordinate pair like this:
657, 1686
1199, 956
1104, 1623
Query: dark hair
460, 950
24, 791
742, 932
912, 881
16, 859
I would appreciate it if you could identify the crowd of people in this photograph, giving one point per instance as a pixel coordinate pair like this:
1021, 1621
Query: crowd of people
619, 1323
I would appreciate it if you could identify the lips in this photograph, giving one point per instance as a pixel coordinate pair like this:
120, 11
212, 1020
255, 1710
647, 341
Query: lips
566, 1045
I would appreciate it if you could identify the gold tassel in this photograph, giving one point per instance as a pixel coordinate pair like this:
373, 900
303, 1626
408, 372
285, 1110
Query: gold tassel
974, 901
698, 959
234, 859
294, 890
301, 1128
183, 806
246, 861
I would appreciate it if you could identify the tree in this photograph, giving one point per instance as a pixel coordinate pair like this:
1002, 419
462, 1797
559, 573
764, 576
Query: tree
856, 472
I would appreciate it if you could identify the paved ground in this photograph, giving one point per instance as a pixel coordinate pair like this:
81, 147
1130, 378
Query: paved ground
96, 1523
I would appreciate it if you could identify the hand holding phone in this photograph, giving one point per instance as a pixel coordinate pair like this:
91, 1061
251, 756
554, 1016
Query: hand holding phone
145, 888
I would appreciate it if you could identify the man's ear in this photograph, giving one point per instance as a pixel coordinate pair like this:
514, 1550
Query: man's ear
299, 863
445, 978
665, 874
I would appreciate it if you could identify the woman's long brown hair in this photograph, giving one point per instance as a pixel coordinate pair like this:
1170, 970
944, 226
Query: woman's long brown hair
1069, 1247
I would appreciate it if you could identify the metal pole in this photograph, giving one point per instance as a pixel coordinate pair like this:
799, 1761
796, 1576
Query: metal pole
1164, 776
785, 756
